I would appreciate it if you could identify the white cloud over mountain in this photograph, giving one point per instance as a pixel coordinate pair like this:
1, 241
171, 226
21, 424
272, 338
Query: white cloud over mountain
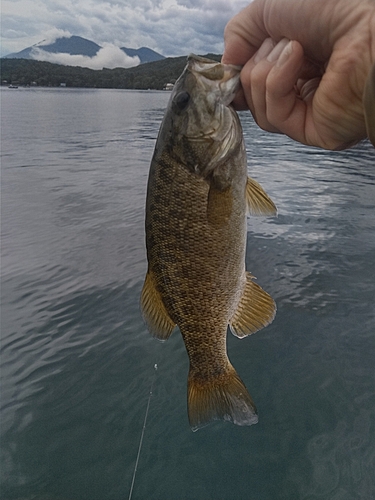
170, 27
50, 36
109, 57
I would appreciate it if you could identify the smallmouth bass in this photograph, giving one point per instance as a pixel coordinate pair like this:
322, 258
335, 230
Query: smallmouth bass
198, 197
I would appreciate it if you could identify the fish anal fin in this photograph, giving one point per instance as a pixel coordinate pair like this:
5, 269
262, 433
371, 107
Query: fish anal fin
154, 312
255, 310
222, 398
258, 201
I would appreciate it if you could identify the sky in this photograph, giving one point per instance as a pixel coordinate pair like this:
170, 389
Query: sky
170, 27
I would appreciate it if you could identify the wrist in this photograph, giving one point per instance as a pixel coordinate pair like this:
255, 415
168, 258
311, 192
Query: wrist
372, 34
369, 90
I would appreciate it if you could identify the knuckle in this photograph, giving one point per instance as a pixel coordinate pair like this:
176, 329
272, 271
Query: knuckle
259, 74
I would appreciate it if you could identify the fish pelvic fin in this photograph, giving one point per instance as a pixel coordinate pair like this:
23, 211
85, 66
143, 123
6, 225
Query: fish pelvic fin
369, 105
154, 312
255, 310
258, 201
222, 398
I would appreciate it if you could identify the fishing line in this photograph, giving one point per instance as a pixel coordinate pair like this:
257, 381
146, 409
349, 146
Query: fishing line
143, 431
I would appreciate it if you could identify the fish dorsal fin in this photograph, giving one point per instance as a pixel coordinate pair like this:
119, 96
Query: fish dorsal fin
255, 310
154, 312
369, 105
258, 201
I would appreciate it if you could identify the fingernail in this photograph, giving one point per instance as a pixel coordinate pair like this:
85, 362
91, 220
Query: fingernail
264, 50
274, 55
285, 54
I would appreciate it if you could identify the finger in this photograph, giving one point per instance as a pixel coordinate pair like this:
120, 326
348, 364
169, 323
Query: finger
246, 31
285, 109
244, 34
243, 99
239, 102
309, 76
254, 79
307, 88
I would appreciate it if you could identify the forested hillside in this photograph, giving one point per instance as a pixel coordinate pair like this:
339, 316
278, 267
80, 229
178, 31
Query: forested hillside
153, 75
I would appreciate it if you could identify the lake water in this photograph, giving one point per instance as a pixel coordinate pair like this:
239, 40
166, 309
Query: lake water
78, 362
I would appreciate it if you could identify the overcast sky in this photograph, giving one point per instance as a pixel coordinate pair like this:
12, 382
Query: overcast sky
171, 27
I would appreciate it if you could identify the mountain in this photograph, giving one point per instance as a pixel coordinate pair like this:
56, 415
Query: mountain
152, 75
144, 53
76, 45
23, 54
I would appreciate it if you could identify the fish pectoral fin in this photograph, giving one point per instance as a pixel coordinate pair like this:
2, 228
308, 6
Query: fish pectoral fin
154, 312
369, 105
223, 397
258, 201
255, 310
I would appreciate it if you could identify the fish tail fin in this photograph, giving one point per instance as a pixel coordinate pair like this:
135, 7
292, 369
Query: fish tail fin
222, 398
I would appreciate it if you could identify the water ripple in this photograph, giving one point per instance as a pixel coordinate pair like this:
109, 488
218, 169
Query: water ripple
77, 361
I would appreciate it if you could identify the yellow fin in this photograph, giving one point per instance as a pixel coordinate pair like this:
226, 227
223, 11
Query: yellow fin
222, 398
255, 310
154, 313
369, 105
258, 201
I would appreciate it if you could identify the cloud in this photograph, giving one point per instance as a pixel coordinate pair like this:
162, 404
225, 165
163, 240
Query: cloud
12, 33
50, 36
108, 56
171, 27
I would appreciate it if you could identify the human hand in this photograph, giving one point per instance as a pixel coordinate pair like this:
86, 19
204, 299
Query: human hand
305, 67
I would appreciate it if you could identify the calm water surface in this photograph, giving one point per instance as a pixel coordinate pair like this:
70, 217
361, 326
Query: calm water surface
78, 363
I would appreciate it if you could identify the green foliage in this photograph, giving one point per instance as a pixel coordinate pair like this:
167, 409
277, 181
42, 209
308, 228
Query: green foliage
153, 75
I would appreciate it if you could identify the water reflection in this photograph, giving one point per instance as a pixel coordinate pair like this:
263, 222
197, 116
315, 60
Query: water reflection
77, 359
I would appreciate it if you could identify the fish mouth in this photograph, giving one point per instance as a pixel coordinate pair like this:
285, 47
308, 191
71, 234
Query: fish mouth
225, 76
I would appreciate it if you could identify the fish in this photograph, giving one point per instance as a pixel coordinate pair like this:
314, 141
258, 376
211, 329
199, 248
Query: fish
369, 105
198, 197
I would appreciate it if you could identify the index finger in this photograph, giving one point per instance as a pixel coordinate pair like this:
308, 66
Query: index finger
244, 34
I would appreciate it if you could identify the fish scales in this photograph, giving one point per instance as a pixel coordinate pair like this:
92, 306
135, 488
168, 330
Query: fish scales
202, 287
197, 198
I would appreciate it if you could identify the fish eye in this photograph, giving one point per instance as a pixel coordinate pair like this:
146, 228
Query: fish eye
182, 100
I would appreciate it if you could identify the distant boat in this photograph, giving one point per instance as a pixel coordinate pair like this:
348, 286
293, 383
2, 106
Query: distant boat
168, 86
13, 86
